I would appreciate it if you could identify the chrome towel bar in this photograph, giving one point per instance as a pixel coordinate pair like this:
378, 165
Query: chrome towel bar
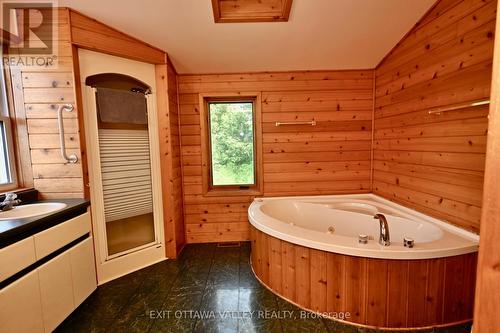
68, 108
311, 123
441, 109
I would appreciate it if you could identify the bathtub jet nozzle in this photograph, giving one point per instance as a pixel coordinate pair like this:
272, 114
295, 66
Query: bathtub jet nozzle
384, 239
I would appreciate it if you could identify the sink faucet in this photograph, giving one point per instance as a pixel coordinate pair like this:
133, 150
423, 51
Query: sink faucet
9, 202
384, 238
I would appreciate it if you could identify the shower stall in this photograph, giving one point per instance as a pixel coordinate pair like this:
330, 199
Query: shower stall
123, 157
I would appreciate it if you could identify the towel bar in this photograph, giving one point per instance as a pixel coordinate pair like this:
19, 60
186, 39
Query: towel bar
311, 123
441, 109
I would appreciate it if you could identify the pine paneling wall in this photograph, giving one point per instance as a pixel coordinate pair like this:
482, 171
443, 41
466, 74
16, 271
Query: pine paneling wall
330, 158
435, 163
487, 286
91, 34
175, 139
38, 92
168, 122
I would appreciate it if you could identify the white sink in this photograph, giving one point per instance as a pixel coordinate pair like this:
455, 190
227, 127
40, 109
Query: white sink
30, 210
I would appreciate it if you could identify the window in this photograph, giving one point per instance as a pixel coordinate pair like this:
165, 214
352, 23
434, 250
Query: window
231, 154
8, 178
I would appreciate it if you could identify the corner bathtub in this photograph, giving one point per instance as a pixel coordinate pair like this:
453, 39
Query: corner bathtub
306, 250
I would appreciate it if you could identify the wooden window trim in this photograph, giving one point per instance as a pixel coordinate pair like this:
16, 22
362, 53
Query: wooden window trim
8, 118
223, 190
15, 99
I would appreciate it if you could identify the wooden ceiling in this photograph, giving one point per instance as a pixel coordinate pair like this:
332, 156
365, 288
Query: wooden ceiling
237, 11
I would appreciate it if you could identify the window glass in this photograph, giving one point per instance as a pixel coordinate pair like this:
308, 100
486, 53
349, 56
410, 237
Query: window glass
232, 143
5, 177
7, 164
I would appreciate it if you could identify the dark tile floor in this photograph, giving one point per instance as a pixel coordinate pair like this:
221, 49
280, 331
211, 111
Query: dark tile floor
206, 280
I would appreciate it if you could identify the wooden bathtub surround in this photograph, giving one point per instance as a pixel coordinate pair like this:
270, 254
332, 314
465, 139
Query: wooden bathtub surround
332, 157
381, 293
486, 319
434, 163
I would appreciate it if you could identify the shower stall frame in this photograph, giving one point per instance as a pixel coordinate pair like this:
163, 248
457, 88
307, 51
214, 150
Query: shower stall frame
112, 266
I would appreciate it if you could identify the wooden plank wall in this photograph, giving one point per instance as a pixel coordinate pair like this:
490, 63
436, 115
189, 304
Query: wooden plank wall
435, 163
38, 92
175, 139
330, 158
487, 303
93, 35
168, 123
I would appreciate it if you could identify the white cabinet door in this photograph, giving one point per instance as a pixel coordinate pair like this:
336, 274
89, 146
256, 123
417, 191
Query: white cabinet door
83, 270
56, 290
20, 306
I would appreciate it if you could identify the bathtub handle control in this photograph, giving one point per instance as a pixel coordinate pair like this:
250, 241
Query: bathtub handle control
408, 242
363, 239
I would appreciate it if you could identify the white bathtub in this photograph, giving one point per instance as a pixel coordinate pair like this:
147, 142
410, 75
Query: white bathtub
306, 221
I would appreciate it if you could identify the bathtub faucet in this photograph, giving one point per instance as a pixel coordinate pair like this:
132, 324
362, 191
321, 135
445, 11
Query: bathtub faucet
384, 238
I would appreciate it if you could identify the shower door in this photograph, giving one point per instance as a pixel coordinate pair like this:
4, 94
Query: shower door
123, 157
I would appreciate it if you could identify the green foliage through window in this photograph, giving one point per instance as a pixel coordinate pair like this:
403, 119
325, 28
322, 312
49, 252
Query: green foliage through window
231, 141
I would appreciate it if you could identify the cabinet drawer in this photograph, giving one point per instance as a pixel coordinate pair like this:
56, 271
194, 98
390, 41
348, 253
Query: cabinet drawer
16, 257
56, 237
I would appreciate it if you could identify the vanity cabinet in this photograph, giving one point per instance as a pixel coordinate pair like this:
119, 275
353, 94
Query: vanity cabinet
47, 276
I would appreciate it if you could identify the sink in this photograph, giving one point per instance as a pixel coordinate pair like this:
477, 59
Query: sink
31, 210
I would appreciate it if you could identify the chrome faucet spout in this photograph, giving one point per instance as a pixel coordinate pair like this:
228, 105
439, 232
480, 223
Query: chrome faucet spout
9, 202
384, 238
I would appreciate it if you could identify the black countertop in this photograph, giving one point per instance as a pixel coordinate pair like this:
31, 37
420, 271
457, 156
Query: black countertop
14, 230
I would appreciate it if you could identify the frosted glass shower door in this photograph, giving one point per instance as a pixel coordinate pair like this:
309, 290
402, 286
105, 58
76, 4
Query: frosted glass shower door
127, 188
